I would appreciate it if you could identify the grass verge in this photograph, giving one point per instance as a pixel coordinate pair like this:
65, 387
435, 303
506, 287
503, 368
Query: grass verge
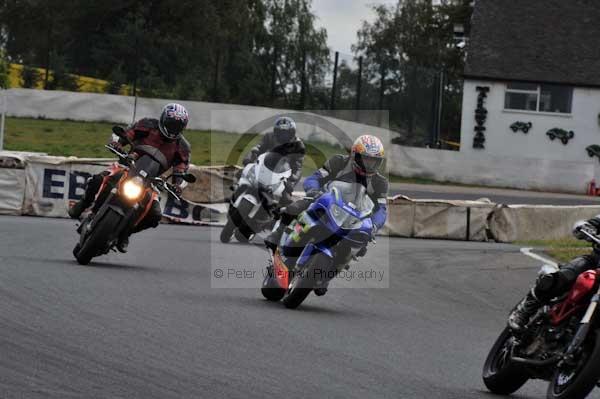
561, 250
87, 139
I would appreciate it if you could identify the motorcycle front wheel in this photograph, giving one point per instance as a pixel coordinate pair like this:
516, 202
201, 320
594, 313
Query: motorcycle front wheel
578, 379
97, 238
501, 375
303, 282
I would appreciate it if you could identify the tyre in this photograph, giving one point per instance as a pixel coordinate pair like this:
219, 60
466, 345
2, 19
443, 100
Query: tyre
303, 282
577, 381
98, 237
227, 231
501, 375
244, 231
270, 289
243, 234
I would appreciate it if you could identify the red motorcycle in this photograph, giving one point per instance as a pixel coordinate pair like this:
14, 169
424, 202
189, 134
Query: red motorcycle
560, 344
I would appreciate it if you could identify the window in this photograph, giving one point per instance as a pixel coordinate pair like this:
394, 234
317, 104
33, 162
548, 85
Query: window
540, 98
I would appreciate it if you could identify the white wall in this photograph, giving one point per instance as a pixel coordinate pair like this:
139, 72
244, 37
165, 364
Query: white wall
509, 160
203, 115
493, 170
500, 140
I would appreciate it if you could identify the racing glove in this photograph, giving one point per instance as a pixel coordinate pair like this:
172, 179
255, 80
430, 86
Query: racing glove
314, 193
177, 189
580, 226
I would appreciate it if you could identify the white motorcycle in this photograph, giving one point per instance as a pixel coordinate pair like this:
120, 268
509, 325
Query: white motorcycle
260, 188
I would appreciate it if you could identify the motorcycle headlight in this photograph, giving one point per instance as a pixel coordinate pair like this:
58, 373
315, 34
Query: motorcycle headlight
251, 176
133, 188
343, 218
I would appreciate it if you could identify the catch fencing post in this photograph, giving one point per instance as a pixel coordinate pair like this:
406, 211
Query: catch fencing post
358, 87
333, 86
2, 118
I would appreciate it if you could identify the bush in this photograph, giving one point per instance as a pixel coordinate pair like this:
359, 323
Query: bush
29, 77
116, 80
61, 79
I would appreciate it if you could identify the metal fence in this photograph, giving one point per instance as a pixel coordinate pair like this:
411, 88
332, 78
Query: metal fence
423, 106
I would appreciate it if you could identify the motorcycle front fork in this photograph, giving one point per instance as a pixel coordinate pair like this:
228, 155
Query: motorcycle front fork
582, 331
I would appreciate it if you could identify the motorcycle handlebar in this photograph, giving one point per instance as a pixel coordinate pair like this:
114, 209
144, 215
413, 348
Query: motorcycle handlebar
590, 236
166, 186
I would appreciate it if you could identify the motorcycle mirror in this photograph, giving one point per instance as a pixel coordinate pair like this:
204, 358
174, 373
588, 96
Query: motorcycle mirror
188, 177
578, 224
119, 131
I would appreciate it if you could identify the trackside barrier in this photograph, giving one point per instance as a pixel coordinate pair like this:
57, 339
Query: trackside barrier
12, 182
536, 222
40, 185
453, 220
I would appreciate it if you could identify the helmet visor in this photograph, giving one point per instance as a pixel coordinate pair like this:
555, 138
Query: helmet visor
368, 164
284, 135
173, 127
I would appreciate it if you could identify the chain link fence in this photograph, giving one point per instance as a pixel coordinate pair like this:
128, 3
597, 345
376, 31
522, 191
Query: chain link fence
424, 106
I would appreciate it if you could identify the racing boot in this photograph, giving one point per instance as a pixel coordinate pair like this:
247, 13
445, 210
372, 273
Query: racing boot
76, 210
123, 243
272, 240
520, 315
321, 291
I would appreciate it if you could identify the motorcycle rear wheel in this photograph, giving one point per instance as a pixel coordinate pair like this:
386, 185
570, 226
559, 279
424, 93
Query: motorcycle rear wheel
577, 382
227, 231
270, 289
97, 238
500, 375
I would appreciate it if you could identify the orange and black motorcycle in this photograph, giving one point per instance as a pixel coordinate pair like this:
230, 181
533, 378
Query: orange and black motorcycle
124, 199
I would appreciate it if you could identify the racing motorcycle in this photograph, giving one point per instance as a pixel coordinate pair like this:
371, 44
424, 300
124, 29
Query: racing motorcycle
254, 205
560, 344
322, 240
123, 200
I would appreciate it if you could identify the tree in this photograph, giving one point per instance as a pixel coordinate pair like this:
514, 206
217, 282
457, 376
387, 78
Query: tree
227, 50
29, 77
405, 49
4, 70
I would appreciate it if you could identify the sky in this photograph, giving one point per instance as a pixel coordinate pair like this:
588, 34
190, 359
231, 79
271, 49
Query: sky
343, 18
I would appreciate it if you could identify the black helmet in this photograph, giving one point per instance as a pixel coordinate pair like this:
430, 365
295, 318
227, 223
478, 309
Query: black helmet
284, 129
173, 119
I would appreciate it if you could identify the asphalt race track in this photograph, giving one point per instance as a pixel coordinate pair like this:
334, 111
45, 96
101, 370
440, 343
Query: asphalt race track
148, 324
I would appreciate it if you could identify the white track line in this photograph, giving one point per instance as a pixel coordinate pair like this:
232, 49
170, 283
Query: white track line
527, 251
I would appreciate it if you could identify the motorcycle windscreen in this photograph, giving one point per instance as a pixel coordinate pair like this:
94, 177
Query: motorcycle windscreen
354, 194
149, 165
274, 168
276, 162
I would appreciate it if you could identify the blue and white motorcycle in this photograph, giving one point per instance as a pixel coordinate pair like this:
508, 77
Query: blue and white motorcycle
319, 243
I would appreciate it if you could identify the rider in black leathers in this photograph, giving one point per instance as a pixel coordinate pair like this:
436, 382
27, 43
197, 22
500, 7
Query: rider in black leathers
283, 140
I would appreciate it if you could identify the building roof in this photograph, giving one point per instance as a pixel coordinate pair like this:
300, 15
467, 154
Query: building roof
553, 41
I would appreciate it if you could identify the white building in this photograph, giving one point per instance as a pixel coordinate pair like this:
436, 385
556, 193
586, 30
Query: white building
532, 86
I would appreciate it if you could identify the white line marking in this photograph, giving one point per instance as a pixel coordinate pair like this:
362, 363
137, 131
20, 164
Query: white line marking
527, 252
